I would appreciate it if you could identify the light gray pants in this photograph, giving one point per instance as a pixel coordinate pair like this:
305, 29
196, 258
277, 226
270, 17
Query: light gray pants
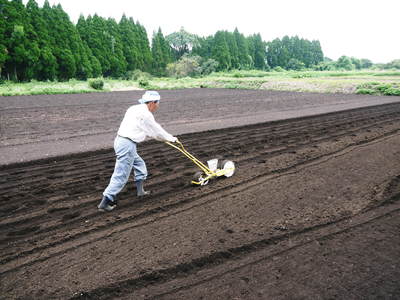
127, 158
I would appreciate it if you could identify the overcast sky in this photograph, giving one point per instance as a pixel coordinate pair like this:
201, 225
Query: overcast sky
360, 28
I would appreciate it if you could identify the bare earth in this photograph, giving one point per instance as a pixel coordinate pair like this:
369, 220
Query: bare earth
56, 125
312, 212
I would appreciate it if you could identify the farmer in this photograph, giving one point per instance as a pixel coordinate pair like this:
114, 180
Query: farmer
138, 123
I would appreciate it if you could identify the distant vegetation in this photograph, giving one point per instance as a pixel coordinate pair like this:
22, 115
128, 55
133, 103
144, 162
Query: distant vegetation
362, 82
41, 44
379, 88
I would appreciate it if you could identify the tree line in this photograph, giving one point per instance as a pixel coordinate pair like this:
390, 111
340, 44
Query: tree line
42, 43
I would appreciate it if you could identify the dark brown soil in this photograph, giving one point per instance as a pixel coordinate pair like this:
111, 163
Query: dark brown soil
312, 212
55, 125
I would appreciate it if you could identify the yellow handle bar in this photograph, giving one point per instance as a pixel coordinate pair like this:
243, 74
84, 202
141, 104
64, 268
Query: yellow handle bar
179, 146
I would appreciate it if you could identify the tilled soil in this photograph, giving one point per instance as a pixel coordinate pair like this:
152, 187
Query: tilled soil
34, 127
312, 212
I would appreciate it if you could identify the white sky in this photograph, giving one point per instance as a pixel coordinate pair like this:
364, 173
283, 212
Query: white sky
360, 28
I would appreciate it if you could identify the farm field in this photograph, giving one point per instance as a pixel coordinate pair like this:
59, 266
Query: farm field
311, 213
41, 126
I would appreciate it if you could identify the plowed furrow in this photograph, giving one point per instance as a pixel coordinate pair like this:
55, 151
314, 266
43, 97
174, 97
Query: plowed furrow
92, 172
213, 260
71, 216
61, 179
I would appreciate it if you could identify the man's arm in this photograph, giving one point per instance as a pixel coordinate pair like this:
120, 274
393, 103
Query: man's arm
154, 130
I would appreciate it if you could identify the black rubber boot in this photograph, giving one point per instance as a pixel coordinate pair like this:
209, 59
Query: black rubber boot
106, 204
139, 189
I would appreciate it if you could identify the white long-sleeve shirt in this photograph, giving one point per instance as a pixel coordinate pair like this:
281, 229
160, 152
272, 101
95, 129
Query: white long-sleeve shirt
139, 123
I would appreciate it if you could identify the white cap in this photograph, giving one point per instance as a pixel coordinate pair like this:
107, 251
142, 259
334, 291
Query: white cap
150, 96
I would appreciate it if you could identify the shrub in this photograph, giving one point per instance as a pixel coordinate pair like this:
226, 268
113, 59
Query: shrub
135, 75
143, 82
295, 64
376, 88
128, 75
364, 91
191, 66
372, 83
278, 69
392, 92
383, 87
324, 66
208, 66
185, 66
345, 63
237, 74
97, 83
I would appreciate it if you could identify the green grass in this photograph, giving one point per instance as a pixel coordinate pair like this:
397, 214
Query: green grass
35, 87
377, 88
72, 86
361, 82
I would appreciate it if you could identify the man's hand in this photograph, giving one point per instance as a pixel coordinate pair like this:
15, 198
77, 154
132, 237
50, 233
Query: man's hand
175, 140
